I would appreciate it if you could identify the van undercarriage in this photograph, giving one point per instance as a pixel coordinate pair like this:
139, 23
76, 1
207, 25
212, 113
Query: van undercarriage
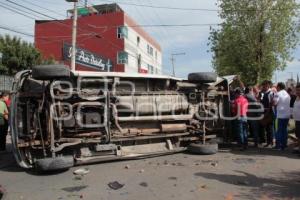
60, 119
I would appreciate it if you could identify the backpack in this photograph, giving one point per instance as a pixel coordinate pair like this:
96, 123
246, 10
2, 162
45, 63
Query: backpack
292, 102
266, 101
2, 120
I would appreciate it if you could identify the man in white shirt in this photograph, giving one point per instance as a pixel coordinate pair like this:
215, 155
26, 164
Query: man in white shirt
282, 101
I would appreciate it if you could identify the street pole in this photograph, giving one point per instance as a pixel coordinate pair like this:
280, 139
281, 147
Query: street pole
173, 60
74, 35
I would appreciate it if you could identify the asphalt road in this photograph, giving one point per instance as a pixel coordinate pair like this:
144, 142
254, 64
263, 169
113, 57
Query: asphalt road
254, 174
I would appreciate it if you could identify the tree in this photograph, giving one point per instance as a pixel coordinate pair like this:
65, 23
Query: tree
18, 55
256, 38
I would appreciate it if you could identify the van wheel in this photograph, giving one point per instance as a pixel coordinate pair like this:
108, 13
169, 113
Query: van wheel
203, 149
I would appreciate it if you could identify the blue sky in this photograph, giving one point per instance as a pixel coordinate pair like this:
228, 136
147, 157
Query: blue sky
190, 40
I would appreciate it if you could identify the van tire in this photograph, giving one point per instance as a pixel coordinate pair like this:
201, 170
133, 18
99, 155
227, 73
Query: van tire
203, 149
54, 164
50, 72
202, 77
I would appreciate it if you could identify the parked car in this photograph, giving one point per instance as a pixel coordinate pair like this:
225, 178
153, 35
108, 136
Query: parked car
60, 118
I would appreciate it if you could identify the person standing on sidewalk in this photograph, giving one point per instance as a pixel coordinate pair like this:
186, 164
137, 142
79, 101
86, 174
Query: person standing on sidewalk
269, 115
282, 102
296, 115
253, 116
3, 122
240, 109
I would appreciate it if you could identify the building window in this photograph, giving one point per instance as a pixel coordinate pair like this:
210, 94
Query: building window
150, 69
150, 50
138, 40
122, 32
122, 57
139, 60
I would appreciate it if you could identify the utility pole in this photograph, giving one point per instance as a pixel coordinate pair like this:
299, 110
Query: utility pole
86, 3
74, 35
173, 61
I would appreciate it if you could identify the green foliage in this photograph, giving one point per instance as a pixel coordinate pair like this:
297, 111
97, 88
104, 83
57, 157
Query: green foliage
18, 55
256, 38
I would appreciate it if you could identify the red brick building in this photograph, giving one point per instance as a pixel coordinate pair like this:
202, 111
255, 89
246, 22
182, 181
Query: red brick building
107, 40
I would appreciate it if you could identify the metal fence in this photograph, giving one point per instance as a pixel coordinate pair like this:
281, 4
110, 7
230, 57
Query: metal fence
5, 83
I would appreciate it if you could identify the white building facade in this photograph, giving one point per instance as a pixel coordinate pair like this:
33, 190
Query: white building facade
142, 54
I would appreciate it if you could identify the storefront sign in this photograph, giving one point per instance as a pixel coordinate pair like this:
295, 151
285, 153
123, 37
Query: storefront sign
143, 71
87, 58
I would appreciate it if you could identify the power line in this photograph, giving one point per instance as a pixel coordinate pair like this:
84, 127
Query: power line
164, 70
165, 32
190, 9
22, 6
17, 11
129, 54
113, 45
15, 31
48, 16
151, 25
28, 2
161, 7
106, 27
159, 25
50, 2
43, 37
57, 21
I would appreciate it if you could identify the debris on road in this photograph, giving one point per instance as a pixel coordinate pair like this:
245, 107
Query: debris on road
211, 162
127, 167
81, 171
142, 171
206, 161
144, 184
172, 178
244, 161
203, 186
115, 185
74, 188
77, 178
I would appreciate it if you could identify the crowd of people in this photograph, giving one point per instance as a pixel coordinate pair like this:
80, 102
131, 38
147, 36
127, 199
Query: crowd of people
265, 112
4, 111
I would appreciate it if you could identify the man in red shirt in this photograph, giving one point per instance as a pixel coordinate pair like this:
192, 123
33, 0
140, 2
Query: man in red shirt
240, 109
6, 99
